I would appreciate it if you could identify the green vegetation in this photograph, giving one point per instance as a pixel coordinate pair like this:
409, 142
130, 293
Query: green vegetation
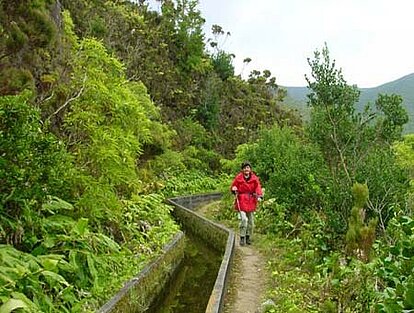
360, 237
106, 108
337, 222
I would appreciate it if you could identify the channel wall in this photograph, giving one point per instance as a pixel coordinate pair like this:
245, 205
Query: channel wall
139, 293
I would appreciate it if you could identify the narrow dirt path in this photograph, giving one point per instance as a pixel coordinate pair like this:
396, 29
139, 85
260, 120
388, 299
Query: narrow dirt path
247, 283
248, 278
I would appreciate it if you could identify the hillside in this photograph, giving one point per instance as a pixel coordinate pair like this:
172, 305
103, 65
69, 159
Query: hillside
404, 86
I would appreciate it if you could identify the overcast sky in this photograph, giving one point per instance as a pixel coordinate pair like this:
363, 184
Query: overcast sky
371, 40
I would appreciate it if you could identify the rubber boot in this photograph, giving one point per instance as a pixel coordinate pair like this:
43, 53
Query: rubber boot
242, 243
248, 240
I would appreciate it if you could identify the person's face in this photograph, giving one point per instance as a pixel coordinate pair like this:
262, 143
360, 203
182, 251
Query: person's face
246, 170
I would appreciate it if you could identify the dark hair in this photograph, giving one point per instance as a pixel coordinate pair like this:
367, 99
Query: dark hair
245, 163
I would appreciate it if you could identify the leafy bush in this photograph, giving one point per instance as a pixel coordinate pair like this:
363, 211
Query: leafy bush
404, 154
270, 218
292, 288
356, 145
33, 164
347, 287
360, 236
109, 126
292, 171
34, 283
147, 224
195, 145
191, 182
395, 267
223, 64
68, 268
387, 182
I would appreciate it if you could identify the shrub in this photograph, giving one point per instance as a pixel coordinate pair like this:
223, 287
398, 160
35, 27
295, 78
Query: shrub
360, 237
33, 165
292, 171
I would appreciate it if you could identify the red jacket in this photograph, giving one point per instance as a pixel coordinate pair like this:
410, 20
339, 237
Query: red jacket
247, 192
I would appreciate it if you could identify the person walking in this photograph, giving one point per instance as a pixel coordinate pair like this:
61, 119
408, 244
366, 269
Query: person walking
248, 191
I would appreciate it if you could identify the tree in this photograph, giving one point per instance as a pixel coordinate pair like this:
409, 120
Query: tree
332, 116
356, 145
246, 106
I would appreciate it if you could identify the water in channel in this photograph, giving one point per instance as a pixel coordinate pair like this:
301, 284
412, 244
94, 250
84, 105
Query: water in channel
190, 289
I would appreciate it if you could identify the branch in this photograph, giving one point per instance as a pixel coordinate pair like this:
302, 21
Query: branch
379, 208
71, 99
368, 119
48, 97
5, 55
338, 148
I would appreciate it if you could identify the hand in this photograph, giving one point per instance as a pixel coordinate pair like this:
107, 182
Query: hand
234, 189
260, 198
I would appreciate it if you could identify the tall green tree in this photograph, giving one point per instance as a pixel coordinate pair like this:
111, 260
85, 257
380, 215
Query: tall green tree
356, 145
166, 46
246, 106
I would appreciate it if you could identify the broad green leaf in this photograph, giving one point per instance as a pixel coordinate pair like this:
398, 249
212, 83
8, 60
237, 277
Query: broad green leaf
81, 227
53, 277
91, 266
11, 273
409, 297
73, 259
11, 305
50, 261
49, 242
32, 307
6, 279
56, 204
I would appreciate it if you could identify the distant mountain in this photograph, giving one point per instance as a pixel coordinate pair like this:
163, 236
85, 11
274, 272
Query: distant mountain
404, 86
